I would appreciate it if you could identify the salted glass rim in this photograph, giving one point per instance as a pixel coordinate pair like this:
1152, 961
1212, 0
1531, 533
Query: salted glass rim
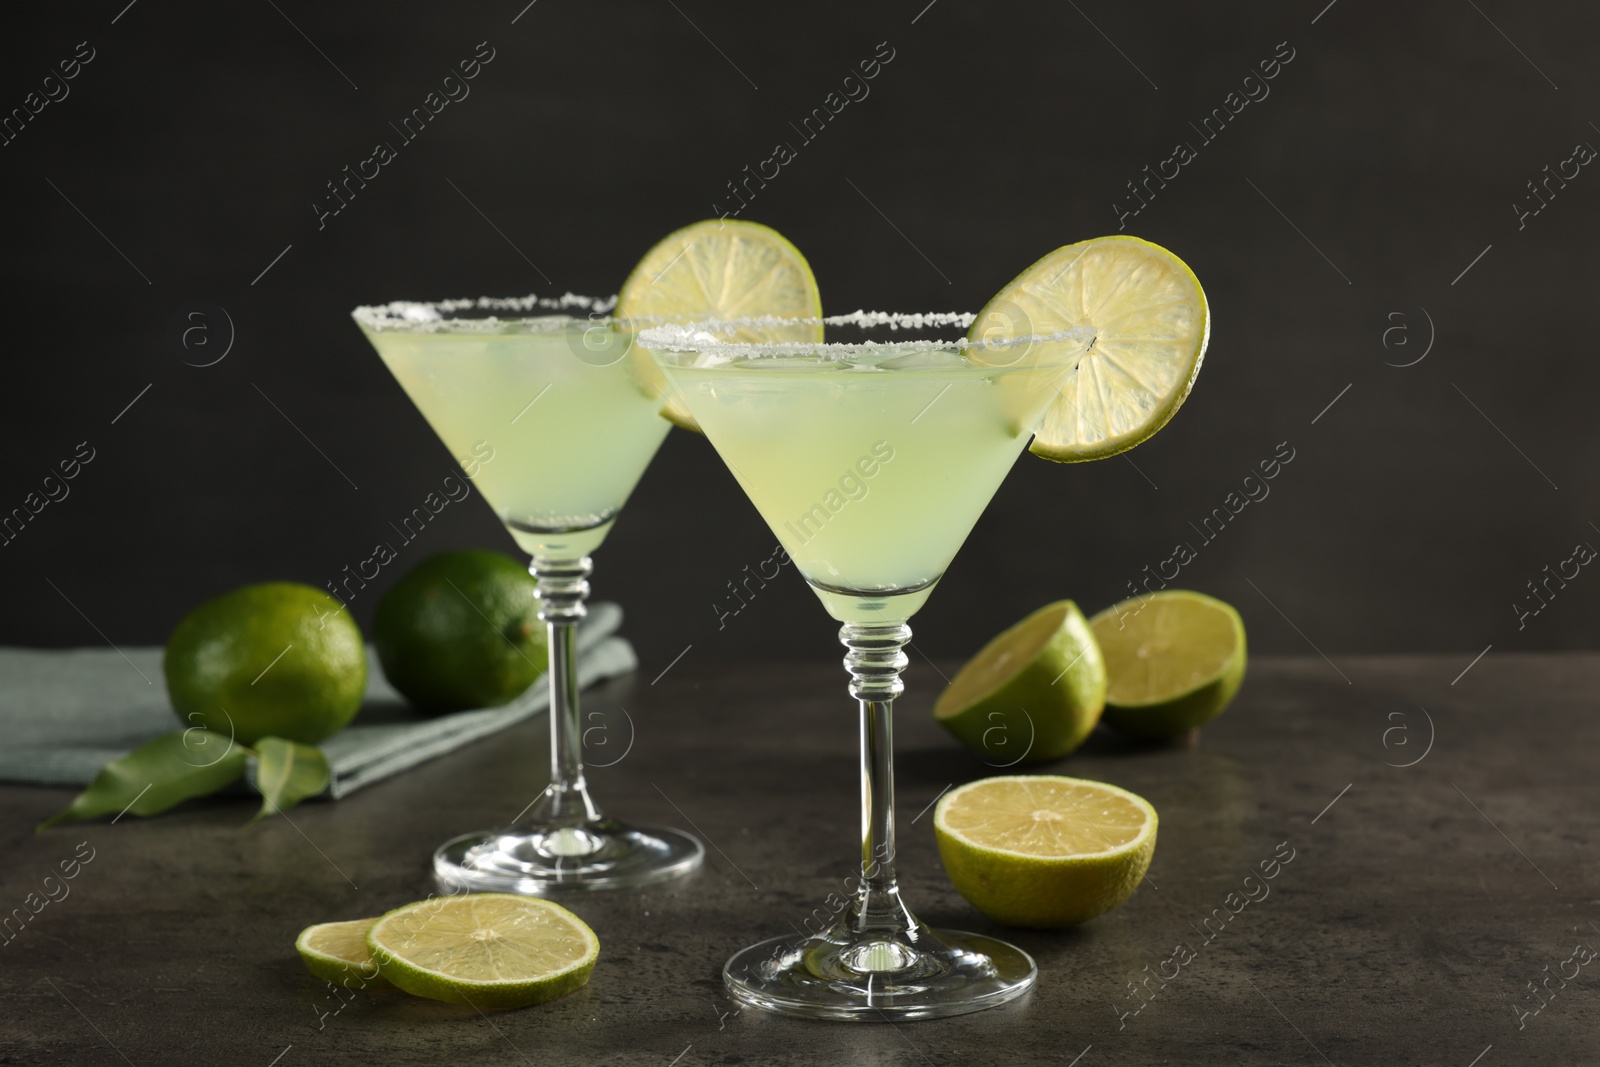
488, 314
701, 337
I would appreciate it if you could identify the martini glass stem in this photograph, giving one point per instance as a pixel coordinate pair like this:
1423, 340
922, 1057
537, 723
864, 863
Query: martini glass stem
876, 961
563, 842
875, 660
562, 587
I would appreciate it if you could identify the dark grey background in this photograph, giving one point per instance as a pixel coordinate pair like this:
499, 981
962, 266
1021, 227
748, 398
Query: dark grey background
1351, 200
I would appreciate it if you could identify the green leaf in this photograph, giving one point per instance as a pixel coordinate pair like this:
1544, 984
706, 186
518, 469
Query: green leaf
287, 772
159, 775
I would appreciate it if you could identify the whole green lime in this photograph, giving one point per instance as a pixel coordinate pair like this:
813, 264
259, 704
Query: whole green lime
279, 659
462, 630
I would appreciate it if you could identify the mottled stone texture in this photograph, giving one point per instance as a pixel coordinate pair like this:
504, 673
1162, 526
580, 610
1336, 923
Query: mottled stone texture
1405, 929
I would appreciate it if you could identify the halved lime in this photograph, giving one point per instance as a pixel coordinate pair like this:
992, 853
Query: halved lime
1174, 660
719, 269
1151, 326
337, 952
492, 951
1030, 695
1044, 850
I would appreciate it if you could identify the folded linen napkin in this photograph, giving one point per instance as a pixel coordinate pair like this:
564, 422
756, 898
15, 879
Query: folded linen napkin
65, 714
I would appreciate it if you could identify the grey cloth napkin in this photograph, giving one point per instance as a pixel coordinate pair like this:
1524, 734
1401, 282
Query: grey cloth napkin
65, 714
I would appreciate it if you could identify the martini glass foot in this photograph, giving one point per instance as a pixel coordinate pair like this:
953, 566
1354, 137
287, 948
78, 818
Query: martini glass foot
923, 974
603, 855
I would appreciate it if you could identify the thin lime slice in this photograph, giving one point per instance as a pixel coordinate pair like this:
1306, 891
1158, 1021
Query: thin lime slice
1174, 660
492, 951
1151, 326
337, 952
720, 269
1044, 850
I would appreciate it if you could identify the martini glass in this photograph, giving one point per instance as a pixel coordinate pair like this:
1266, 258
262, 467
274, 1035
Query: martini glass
554, 415
871, 460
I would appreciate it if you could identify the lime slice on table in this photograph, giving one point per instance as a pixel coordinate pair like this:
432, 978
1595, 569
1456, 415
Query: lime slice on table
1151, 326
720, 269
492, 951
337, 952
1044, 850
1030, 695
1174, 660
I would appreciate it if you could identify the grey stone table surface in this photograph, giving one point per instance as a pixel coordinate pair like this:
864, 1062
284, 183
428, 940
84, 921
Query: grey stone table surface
1441, 912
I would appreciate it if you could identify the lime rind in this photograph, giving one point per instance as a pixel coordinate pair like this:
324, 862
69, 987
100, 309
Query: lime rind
1043, 895
1176, 718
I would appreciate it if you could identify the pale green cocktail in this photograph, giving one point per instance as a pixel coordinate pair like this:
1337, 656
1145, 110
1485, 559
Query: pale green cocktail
570, 421
870, 471
554, 418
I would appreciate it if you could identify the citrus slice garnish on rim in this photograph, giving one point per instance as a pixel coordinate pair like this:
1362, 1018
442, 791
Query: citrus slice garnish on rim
1151, 324
720, 269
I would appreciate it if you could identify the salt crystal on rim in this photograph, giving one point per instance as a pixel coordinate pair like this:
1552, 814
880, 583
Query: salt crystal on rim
436, 316
704, 337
